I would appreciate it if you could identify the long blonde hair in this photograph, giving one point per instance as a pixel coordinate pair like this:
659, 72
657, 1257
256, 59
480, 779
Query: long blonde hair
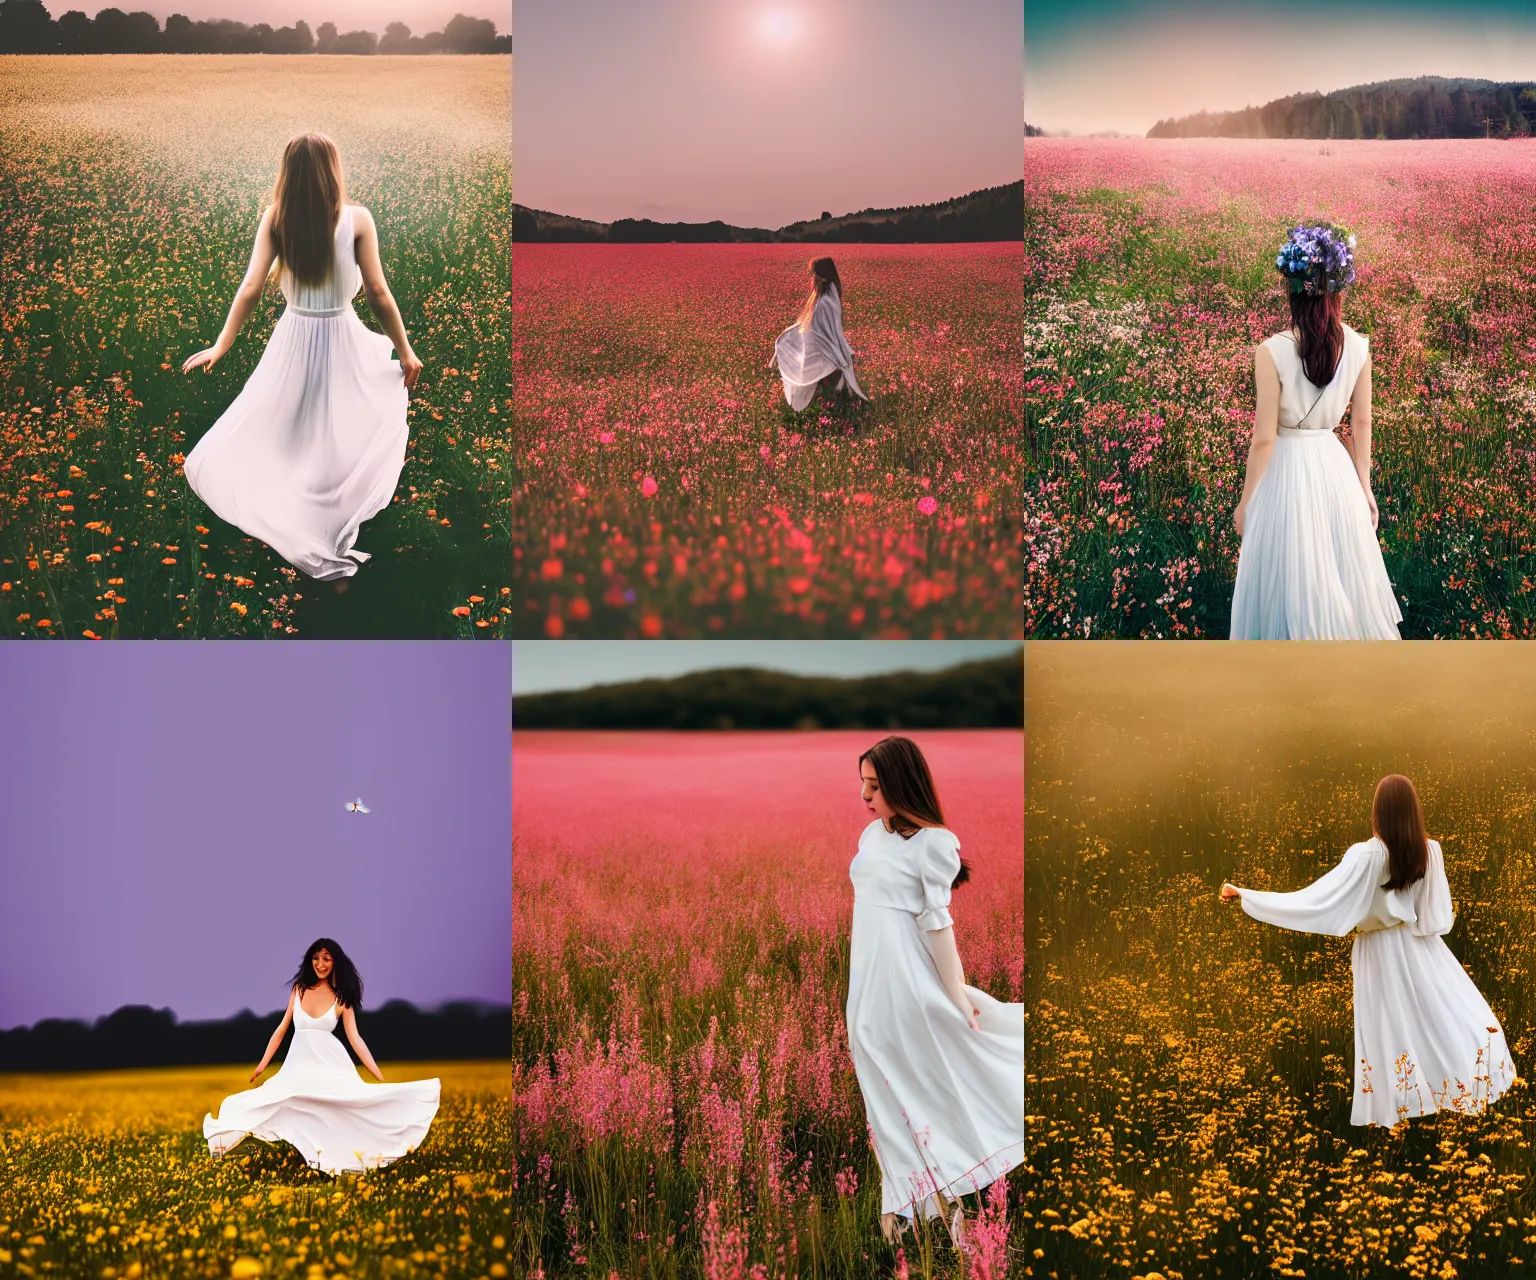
306, 205
823, 277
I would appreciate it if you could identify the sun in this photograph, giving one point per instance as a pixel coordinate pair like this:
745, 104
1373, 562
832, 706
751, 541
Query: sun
779, 28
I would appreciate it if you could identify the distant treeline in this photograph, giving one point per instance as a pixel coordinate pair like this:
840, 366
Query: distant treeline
27, 27
988, 694
138, 1036
1033, 130
995, 213
1426, 107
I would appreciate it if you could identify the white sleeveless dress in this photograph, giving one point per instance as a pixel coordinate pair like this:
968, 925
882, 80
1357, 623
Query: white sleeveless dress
1310, 567
945, 1104
316, 1101
805, 356
1425, 1039
315, 442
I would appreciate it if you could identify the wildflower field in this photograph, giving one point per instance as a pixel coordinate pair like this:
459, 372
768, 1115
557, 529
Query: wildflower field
683, 1100
665, 488
1190, 1070
130, 191
107, 1175
1150, 277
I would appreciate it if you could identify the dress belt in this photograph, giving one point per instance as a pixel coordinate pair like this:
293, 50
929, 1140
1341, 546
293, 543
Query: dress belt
309, 311
1304, 431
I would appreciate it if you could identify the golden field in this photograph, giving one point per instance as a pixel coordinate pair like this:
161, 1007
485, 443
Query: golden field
130, 191
1190, 1070
107, 1175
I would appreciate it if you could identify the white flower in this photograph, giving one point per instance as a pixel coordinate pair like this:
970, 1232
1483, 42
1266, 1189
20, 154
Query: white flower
1351, 240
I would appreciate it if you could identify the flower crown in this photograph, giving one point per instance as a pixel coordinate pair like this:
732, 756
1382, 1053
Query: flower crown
1317, 258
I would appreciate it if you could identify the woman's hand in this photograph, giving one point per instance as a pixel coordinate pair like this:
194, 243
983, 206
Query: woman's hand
970, 1013
205, 359
379, 1075
259, 1069
1370, 501
1240, 517
1230, 892
410, 367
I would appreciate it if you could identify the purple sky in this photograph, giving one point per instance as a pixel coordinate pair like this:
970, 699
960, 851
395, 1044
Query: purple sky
763, 112
173, 831
421, 16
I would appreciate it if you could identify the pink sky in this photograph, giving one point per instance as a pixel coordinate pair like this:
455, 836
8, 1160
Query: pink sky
762, 112
348, 15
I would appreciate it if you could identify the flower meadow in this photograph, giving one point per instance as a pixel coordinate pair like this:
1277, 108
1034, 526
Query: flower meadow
683, 1100
107, 1175
1190, 1071
1150, 277
664, 488
130, 191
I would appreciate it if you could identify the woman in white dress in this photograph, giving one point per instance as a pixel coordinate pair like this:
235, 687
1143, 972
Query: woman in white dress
315, 442
814, 352
1425, 1039
940, 1064
316, 1101
1310, 567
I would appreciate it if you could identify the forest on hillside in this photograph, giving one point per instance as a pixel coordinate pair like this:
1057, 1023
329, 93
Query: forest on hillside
1426, 107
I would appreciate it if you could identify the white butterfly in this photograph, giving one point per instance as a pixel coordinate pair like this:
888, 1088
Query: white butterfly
357, 806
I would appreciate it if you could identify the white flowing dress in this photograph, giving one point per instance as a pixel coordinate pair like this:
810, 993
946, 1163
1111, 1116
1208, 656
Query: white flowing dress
1425, 1039
316, 1101
945, 1104
805, 356
315, 442
1310, 567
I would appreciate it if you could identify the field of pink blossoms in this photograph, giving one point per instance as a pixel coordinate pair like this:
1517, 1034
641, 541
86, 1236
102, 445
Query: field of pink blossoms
663, 487
1150, 277
683, 1100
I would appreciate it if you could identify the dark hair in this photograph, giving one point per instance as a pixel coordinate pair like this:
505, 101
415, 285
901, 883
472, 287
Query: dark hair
1398, 822
345, 980
908, 788
306, 205
823, 277
1319, 318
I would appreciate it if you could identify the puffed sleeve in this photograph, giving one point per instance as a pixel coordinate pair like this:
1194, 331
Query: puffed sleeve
939, 865
1433, 909
1333, 904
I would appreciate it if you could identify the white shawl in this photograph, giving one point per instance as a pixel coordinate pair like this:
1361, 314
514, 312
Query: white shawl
805, 356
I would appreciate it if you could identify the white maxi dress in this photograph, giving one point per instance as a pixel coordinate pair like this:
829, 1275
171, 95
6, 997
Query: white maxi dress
1310, 567
315, 442
1425, 1039
945, 1104
805, 356
317, 1102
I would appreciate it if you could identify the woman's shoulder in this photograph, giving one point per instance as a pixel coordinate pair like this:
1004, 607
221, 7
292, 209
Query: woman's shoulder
940, 838
359, 212
871, 832
1372, 849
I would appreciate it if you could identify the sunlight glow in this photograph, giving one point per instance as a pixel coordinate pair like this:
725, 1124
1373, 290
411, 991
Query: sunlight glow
779, 27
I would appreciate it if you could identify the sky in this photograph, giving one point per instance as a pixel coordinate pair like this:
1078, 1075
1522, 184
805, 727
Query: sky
542, 665
421, 16
762, 112
1121, 65
174, 831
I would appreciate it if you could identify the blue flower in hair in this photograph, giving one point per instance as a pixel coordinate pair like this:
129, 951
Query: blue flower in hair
1317, 258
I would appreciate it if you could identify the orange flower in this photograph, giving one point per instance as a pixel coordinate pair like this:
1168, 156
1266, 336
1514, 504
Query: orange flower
462, 611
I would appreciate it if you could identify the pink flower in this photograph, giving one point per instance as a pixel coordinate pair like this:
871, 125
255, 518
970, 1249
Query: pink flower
648, 487
927, 505
605, 437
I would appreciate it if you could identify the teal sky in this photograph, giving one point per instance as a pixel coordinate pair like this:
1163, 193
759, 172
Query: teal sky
1121, 65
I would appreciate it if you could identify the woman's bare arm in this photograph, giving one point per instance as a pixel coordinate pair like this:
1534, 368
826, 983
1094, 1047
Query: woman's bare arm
276, 1042
263, 254
349, 1021
1360, 429
380, 298
946, 956
1266, 425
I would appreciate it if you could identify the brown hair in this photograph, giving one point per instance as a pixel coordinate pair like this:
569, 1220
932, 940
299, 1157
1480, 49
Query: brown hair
1319, 318
823, 277
1398, 822
908, 788
306, 205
